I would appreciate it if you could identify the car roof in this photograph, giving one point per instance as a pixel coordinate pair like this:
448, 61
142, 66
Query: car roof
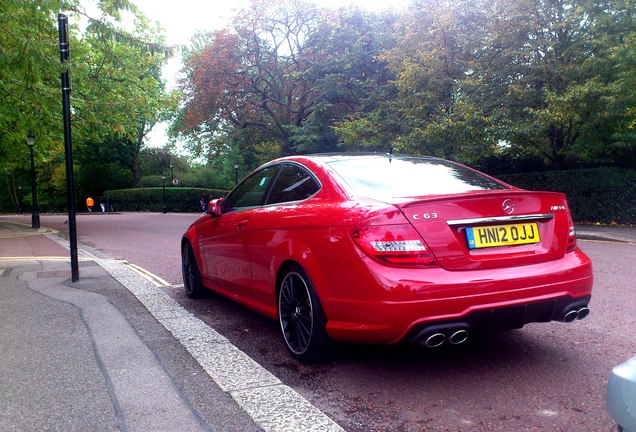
325, 158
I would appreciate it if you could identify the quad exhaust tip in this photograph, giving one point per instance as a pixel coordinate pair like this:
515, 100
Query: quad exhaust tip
571, 316
583, 312
460, 336
435, 340
575, 314
456, 336
438, 339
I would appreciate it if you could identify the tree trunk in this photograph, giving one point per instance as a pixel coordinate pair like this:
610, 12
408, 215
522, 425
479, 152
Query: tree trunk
558, 144
135, 154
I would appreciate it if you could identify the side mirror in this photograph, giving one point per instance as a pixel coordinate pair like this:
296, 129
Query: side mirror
214, 208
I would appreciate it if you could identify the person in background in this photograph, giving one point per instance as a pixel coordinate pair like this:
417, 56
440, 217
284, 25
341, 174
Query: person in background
89, 204
102, 203
205, 201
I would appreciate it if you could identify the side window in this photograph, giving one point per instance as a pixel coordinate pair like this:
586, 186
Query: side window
293, 184
251, 193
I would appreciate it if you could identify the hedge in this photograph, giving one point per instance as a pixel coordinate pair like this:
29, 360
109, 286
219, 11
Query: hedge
178, 199
606, 195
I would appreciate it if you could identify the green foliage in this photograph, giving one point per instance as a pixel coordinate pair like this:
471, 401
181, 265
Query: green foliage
545, 80
553, 80
151, 199
606, 195
117, 93
351, 81
504, 85
102, 166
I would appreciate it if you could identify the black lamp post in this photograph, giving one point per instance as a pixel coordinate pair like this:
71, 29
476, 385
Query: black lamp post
235, 173
35, 216
171, 172
163, 185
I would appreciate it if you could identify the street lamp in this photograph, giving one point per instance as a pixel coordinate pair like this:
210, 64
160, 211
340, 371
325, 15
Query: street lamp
35, 216
163, 185
235, 172
171, 171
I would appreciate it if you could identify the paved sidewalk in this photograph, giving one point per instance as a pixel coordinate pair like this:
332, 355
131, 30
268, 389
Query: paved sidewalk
87, 356
612, 233
115, 352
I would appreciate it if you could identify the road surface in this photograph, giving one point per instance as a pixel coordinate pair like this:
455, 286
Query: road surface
544, 377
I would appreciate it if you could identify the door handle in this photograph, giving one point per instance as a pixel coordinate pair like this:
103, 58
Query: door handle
241, 225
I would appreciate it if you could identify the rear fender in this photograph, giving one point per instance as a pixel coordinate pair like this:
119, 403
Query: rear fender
294, 250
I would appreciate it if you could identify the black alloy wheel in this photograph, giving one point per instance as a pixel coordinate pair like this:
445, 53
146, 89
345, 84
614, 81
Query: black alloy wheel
191, 273
301, 318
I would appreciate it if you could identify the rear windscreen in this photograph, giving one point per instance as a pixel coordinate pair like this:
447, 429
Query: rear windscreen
384, 178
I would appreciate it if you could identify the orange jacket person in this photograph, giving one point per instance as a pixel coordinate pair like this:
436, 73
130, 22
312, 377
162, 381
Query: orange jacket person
89, 204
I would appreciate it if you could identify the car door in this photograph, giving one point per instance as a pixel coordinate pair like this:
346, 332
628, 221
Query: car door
279, 220
225, 239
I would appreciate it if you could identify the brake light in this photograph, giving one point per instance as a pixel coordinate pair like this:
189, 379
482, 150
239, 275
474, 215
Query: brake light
395, 245
571, 235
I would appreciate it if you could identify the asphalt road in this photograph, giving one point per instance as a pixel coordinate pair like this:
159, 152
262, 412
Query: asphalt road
544, 377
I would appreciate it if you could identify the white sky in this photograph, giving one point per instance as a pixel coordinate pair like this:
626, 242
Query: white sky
181, 19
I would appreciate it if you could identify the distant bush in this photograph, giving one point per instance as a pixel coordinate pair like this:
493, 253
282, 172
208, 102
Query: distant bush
151, 199
603, 195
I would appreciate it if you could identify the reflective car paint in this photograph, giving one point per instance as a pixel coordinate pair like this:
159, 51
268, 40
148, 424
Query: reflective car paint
241, 254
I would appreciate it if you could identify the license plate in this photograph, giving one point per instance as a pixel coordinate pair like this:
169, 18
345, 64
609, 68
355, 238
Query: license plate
502, 235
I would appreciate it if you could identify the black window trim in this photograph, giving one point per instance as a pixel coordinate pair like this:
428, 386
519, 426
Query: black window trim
302, 168
225, 203
280, 165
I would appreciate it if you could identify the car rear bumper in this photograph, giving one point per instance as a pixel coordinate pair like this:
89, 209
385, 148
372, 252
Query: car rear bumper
501, 318
404, 307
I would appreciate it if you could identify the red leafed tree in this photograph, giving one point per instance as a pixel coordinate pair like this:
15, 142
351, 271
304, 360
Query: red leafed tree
255, 74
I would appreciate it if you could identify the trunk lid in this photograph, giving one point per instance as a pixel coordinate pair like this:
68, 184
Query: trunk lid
490, 229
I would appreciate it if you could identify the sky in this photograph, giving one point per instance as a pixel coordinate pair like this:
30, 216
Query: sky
181, 19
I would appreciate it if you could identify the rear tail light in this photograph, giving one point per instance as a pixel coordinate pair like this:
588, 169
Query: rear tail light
395, 245
571, 235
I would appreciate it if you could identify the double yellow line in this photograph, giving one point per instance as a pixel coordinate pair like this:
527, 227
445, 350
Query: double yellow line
150, 277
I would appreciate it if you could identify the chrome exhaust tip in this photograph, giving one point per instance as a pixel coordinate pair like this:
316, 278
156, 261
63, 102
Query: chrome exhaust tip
459, 337
571, 316
435, 340
582, 313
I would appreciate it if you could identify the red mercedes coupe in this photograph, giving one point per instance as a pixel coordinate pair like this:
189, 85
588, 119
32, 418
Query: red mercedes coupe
373, 248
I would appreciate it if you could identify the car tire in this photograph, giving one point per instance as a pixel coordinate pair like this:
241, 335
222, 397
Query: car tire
191, 274
302, 320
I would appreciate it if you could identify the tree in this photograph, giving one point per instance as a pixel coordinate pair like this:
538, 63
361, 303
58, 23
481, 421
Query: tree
474, 78
423, 109
545, 79
615, 34
115, 75
120, 91
351, 80
252, 76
